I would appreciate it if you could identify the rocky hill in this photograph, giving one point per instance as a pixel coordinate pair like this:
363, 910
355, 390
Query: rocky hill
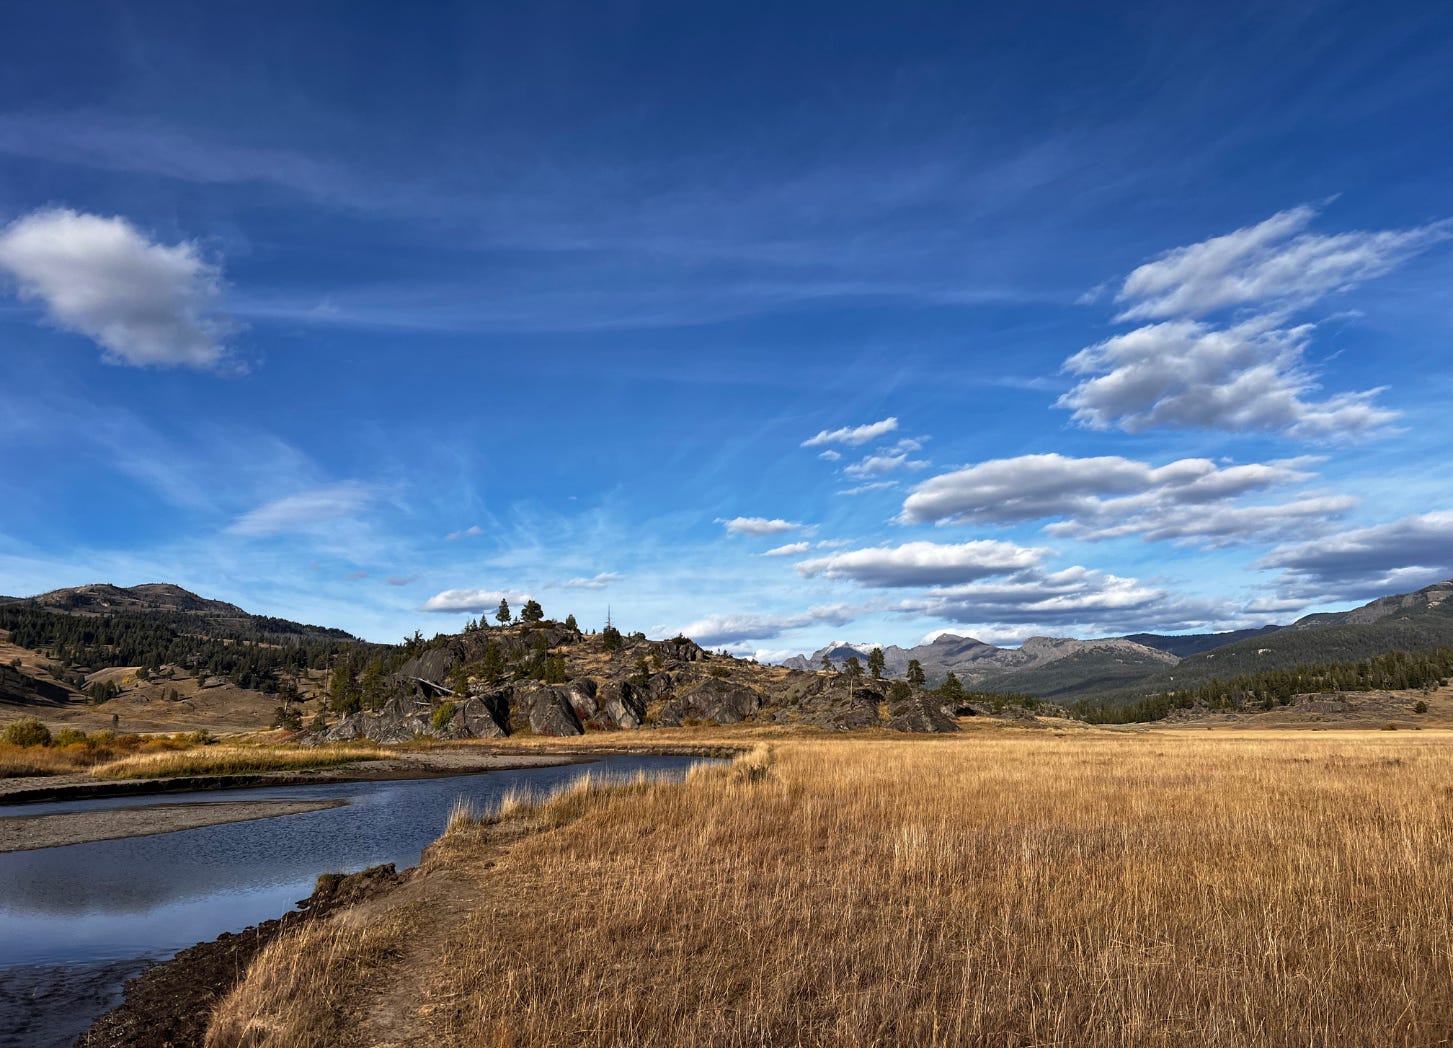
546, 679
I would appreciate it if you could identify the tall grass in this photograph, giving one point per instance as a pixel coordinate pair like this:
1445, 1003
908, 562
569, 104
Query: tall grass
230, 760
1095, 889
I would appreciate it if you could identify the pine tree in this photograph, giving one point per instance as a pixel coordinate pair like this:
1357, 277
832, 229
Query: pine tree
533, 612
502, 616
875, 663
915, 673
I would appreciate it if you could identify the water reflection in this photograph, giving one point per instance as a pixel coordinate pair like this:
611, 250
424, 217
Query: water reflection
150, 896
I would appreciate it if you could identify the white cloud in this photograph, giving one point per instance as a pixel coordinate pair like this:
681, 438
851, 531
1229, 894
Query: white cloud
877, 465
1274, 261
472, 601
829, 455
146, 304
1210, 527
1401, 555
1185, 374
1077, 601
757, 525
789, 550
924, 563
853, 435
595, 582
716, 630
1034, 487
862, 489
473, 529
305, 510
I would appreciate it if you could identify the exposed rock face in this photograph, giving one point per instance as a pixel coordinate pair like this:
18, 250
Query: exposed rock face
546, 709
622, 705
920, 713
715, 700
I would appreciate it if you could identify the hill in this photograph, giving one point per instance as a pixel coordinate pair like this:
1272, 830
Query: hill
156, 657
1406, 622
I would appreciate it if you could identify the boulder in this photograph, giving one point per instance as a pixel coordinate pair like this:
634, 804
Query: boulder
546, 709
623, 705
920, 713
715, 700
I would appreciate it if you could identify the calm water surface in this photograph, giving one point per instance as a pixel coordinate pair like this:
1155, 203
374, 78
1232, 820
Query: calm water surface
76, 921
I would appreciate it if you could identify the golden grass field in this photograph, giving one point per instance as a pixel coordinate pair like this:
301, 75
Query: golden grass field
226, 760
996, 888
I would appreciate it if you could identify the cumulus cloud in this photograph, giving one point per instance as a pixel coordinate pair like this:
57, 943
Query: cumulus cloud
472, 601
473, 529
594, 582
1035, 487
1186, 374
924, 563
852, 435
716, 630
757, 525
1277, 261
877, 465
305, 510
789, 550
1402, 555
145, 303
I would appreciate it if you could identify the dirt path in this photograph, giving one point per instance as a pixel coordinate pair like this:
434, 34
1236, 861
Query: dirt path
28, 832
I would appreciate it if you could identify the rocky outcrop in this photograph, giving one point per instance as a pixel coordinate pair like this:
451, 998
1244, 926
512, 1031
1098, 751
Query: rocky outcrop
921, 713
714, 701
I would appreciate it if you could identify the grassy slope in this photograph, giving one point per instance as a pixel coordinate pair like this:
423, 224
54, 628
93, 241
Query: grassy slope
1092, 889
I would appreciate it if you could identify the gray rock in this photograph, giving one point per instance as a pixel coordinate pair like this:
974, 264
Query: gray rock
714, 701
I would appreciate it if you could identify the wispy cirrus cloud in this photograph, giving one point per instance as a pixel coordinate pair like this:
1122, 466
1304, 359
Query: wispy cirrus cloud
147, 304
853, 436
1277, 260
594, 582
305, 510
1249, 374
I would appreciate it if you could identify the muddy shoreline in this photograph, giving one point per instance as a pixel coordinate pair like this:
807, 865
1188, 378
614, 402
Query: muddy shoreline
169, 1005
30, 832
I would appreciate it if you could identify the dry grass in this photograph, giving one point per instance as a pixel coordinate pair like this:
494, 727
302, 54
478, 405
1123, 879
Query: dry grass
1190, 888
232, 760
21, 761
306, 982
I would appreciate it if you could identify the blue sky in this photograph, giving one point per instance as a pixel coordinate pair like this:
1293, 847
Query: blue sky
770, 325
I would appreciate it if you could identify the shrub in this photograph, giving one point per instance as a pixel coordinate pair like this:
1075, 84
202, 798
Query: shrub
1420, 707
70, 737
443, 715
28, 732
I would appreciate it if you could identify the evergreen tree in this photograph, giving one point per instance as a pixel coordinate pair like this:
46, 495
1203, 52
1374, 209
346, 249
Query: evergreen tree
571, 624
533, 612
502, 615
951, 689
875, 663
915, 673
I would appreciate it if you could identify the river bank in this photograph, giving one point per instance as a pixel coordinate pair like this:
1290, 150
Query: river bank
27, 832
425, 764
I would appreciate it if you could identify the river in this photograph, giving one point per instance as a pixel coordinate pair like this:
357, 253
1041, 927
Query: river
76, 921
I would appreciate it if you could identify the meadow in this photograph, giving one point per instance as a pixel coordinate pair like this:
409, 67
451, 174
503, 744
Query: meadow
999, 888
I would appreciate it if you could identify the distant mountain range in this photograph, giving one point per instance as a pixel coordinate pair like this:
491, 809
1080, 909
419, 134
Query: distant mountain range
1066, 669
